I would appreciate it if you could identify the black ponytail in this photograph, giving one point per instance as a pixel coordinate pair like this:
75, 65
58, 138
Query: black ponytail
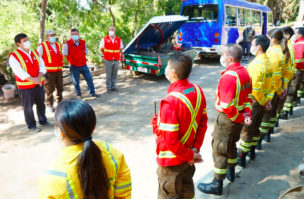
77, 120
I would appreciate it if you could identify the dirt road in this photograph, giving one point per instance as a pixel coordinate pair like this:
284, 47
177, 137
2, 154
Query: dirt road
124, 121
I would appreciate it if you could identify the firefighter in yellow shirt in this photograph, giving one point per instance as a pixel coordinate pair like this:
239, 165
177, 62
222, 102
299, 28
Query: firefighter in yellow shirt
85, 168
260, 71
277, 60
291, 100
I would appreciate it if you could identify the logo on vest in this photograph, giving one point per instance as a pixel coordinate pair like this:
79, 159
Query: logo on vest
26, 60
34, 58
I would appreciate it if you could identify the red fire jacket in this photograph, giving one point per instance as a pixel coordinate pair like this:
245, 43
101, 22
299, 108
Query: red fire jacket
232, 93
31, 68
77, 54
299, 53
53, 61
182, 123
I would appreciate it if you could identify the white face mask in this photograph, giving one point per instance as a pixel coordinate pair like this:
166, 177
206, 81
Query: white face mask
222, 62
166, 71
111, 33
293, 39
252, 51
27, 44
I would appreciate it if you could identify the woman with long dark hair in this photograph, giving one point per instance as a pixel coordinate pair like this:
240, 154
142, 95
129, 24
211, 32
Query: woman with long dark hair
85, 169
279, 56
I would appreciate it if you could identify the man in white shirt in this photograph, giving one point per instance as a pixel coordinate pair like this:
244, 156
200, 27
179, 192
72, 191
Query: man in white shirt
111, 47
29, 69
51, 53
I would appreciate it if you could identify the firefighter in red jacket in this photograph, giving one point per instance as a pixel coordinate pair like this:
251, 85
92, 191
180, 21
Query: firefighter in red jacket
51, 53
234, 107
180, 130
75, 51
299, 56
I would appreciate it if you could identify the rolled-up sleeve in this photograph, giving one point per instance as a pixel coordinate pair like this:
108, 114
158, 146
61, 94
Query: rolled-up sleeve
42, 68
17, 69
65, 50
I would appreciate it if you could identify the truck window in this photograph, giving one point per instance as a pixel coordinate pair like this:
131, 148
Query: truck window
230, 16
256, 18
244, 17
201, 13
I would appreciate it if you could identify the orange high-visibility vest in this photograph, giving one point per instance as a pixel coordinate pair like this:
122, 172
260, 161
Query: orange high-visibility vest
53, 61
111, 51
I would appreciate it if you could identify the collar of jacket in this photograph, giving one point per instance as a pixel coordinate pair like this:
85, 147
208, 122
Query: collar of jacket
176, 84
261, 56
300, 39
233, 67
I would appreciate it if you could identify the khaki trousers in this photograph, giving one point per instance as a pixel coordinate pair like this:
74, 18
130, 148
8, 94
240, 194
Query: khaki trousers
175, 182
52, 81
251, 133
225, 136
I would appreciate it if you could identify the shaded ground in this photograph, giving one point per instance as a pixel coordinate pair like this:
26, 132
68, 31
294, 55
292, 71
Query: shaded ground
124, 121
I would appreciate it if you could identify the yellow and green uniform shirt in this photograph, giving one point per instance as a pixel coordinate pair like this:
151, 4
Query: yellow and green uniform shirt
260, 71
60, 180
277, 60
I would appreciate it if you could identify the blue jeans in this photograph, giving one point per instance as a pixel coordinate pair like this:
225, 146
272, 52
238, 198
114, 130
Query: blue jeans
84, 70
246, 46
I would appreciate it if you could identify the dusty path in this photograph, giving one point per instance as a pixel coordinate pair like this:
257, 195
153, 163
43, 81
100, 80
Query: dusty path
123, 121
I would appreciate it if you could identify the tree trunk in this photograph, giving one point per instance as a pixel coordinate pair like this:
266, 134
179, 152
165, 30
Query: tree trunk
111, 13
271, 5
301, 13
42, 20
134, 32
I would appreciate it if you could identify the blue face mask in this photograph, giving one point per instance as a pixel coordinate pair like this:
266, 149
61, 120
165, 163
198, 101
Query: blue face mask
52, 39
75, 37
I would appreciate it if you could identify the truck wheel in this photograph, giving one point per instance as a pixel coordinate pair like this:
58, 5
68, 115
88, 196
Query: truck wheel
134, 73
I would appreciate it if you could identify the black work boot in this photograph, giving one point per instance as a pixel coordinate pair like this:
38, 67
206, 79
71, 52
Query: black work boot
251, 154
284, 115
230, 175
277, 123
215, 187
299, 100
267, 136
259, 146
241, 159
291, 111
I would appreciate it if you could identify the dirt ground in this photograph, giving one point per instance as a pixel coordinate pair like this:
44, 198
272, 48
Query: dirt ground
124, 121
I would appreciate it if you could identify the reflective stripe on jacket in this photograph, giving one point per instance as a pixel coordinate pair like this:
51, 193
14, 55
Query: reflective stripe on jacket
233, 93
53, 61
182, 123
60, 180
260, 71
31, 68
112, 50
277, 60
299, 53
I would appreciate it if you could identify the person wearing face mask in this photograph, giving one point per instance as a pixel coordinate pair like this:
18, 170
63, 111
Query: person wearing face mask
279, 56
299, 55
180, 130
29, 69
86, 168
291, 99
75, 51
248, 35
233, 104
51, 53
260, 71
111, 47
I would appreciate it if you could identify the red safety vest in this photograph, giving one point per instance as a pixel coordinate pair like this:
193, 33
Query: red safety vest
77, 54
234, 93
53, 61
112, 51
182, 123
31, 68
299, 53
